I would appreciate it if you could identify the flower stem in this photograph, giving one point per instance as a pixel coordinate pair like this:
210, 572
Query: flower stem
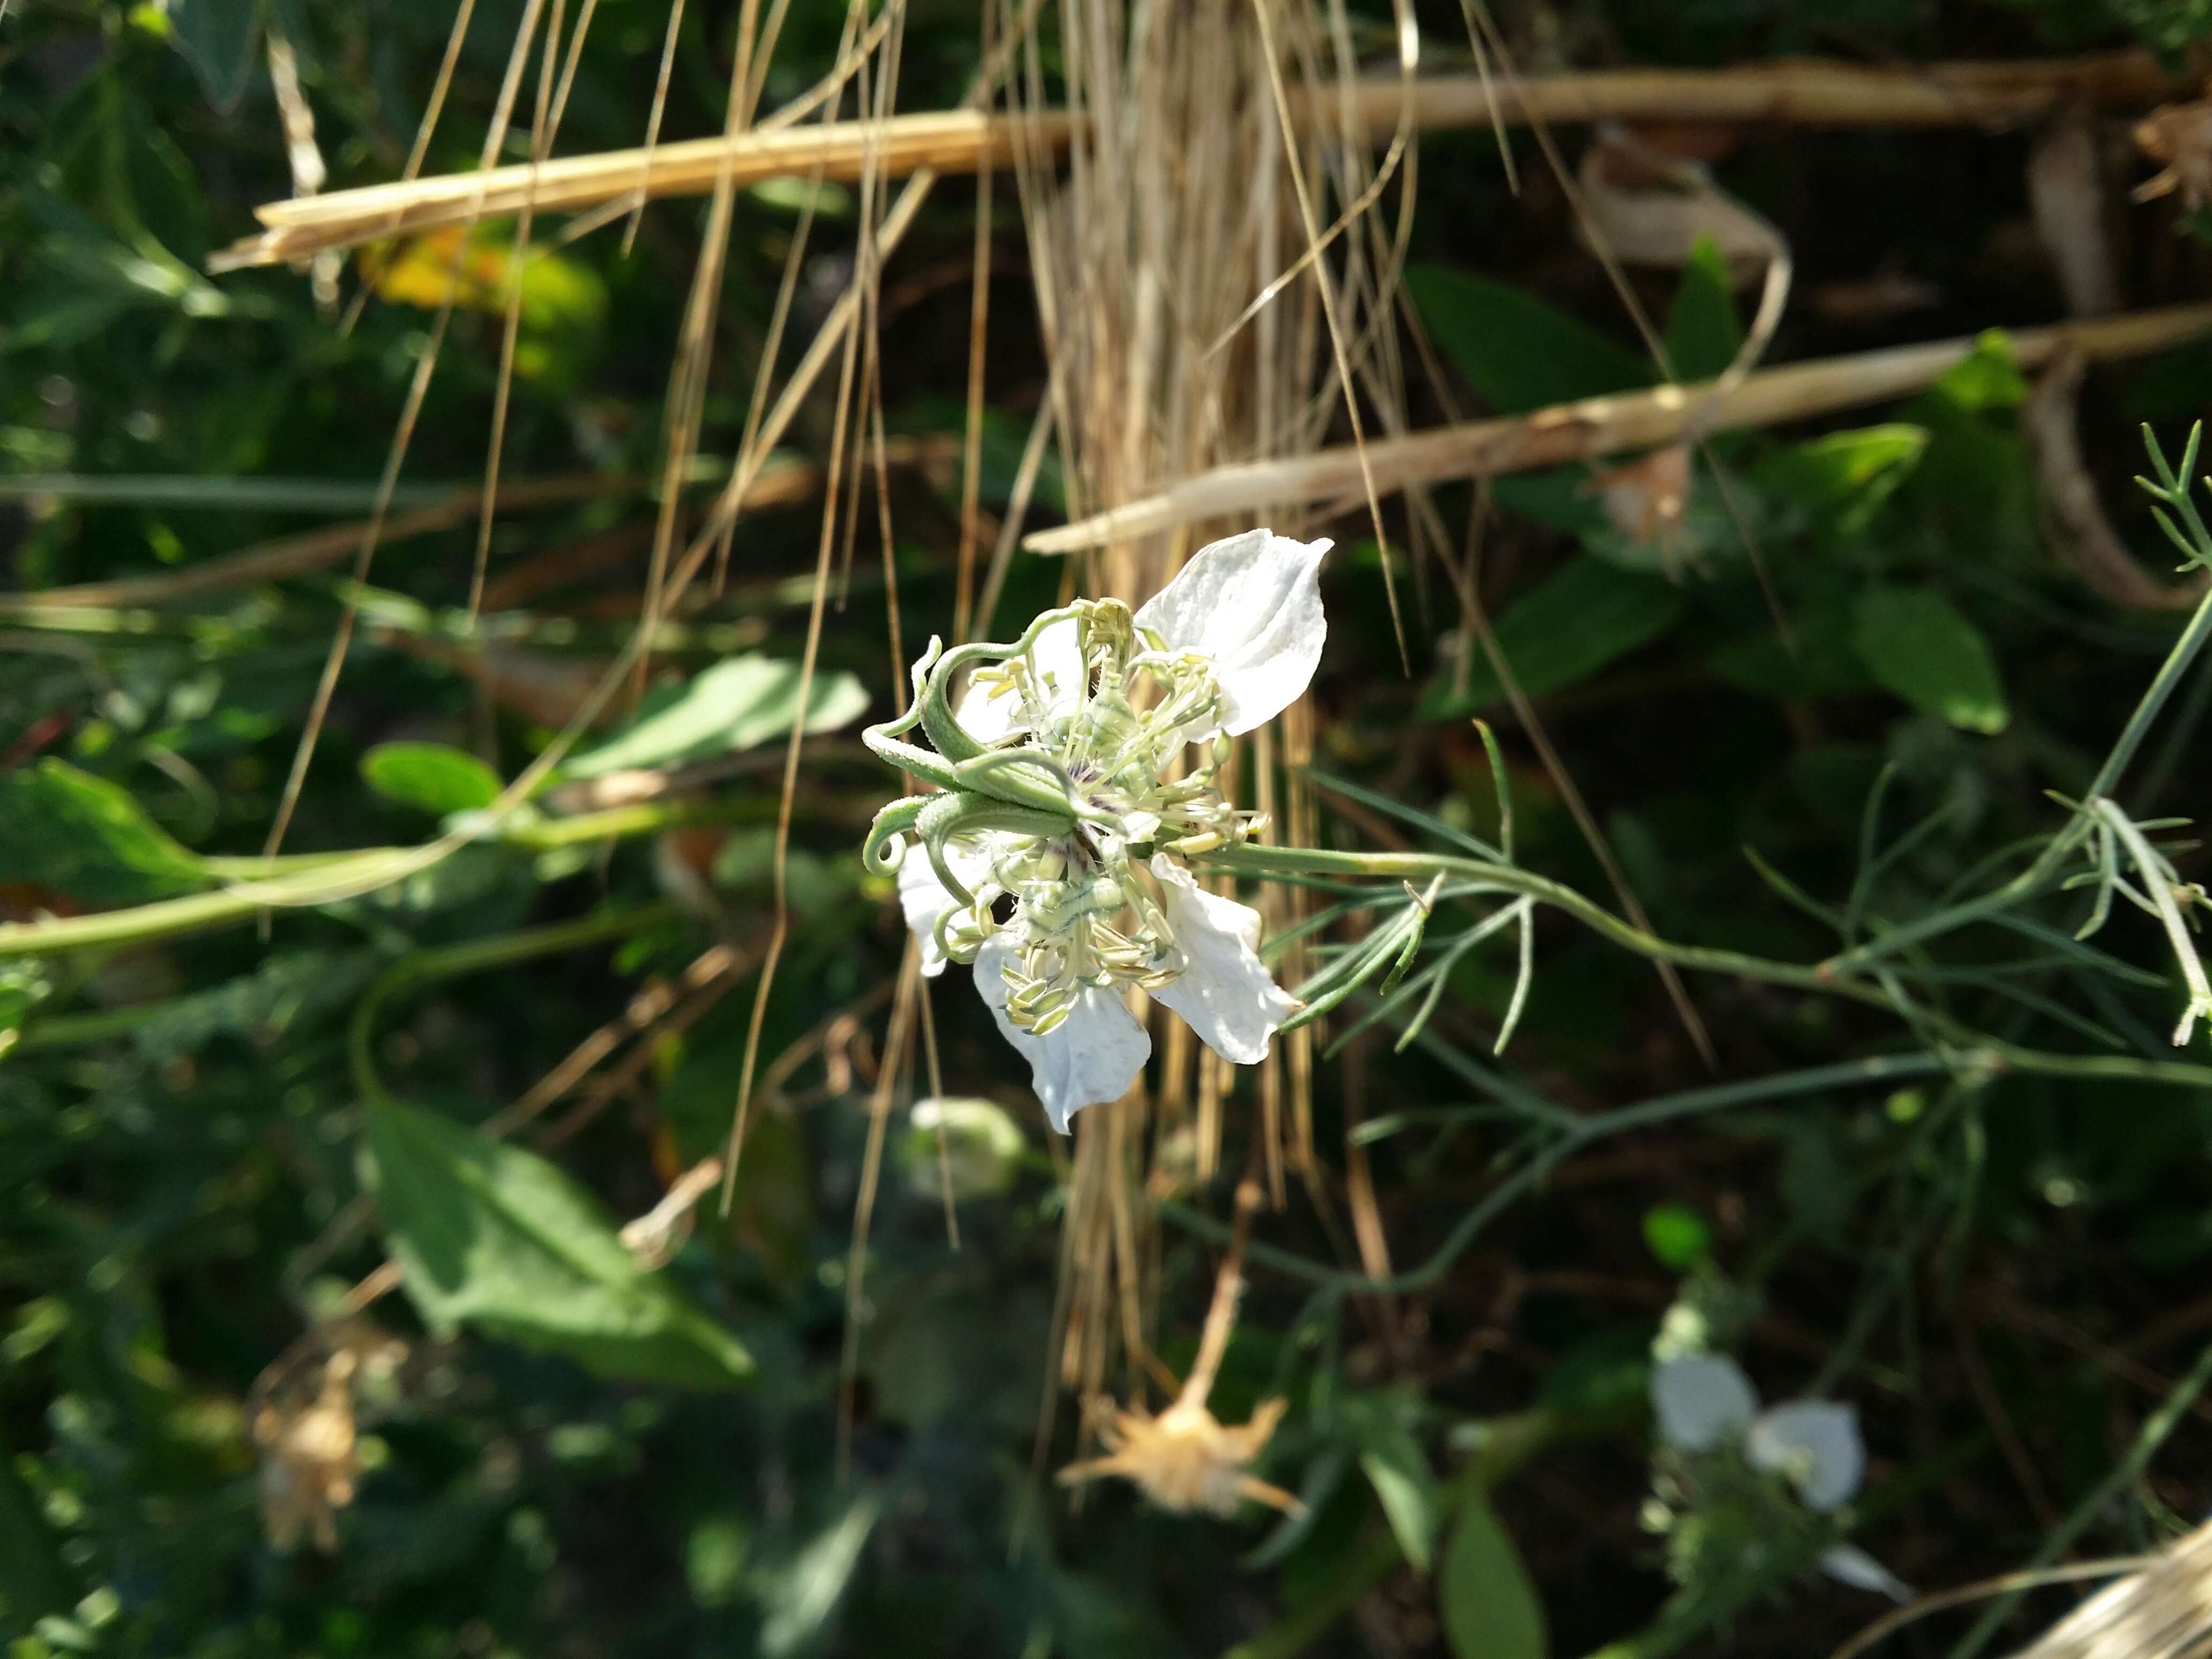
1477, 875
254, 887
2038, 876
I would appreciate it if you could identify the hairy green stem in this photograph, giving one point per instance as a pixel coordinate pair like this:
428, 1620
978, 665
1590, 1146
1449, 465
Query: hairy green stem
1965, 1047
1478, 875
304, 880
2037, 878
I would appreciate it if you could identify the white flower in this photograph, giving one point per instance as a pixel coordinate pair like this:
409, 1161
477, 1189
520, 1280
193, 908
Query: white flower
1090, 1057
1815, 1444
1703, 1402
1252, 607
1068, 796
1225, 991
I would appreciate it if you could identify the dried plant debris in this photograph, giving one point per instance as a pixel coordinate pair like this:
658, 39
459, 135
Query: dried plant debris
1186, 1458
2083, 534
2067, 196
2179, 136
304, 1421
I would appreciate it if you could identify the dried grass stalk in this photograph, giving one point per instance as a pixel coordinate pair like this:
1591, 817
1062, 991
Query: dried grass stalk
1604, 426
963, 141
2164, 1611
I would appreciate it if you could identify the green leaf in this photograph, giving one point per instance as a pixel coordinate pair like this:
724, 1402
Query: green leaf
1816, 660
1484, 1599
1918, 646
497, 1238
1987, 377
733, 705
217, 38
1588, 614
1559, 496
1396, 1466
1519, 352
260, 1007
85, 836
798, 1598
431, 776
1835, 484
166, 196
1703, 332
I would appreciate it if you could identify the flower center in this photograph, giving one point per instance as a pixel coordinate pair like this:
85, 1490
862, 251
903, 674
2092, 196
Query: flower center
1113, 727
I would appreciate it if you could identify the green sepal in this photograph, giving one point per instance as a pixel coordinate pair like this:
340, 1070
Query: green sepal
895, 820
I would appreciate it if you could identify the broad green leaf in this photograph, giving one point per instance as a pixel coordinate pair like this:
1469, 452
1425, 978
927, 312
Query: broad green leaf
1703, 332
733, 705
1918, 646
1559, 496
798, 1597
1975, 491
260, 1006
85, 836
434, 776
1484, 1599
1987, 377
1519, 352
1815, 660
496, 1238
1834, 484
1398, 1468
217, 38
1588, 614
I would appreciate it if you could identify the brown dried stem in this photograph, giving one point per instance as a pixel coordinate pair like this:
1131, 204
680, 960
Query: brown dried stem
1802, 93
1607, 425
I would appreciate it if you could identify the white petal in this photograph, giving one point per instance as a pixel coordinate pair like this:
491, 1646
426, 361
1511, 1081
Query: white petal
1854, 1566
1090, 1057
924, 897
1816, 1443
1061, 682
1702, 1400
1253, 604
1225, 991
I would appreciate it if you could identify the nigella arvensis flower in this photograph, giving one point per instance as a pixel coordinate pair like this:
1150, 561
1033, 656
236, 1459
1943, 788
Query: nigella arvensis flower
1051, 855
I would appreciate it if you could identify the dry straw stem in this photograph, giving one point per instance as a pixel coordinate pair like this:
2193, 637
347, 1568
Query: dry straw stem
1604, 426
1805, 92
2164, 1611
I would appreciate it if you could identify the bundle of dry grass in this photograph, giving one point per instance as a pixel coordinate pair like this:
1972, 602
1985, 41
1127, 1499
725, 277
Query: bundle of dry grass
2164, 1611
1209, 147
